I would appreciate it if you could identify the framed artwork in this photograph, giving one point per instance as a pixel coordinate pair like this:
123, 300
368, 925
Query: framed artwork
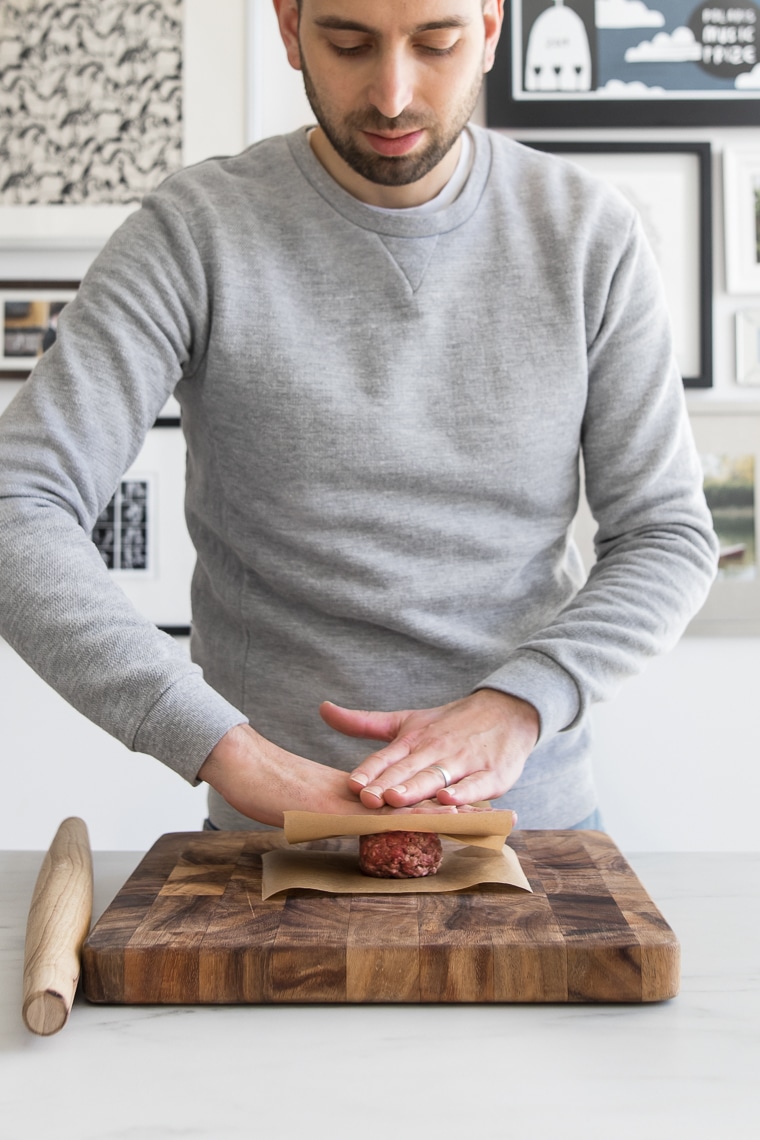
741, 213
669, 184
30, 312
728, 440
748, 347
140, 90
626, 63
142, 536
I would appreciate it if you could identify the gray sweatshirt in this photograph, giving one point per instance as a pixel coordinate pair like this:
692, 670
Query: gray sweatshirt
384, 417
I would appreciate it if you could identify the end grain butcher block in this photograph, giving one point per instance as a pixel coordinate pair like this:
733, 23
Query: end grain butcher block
190, 926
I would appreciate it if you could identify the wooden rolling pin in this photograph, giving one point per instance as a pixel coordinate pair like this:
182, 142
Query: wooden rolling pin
59, 922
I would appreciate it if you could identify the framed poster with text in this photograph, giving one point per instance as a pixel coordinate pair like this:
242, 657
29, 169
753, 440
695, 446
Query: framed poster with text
626, 63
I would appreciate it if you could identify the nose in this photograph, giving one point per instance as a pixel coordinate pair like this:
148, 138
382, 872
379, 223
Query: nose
391, 87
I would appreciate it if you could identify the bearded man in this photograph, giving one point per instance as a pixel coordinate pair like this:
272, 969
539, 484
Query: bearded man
393, 337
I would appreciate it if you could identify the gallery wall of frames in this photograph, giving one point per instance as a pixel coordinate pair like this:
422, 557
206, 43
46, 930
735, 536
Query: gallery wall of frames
662, 99
99, 102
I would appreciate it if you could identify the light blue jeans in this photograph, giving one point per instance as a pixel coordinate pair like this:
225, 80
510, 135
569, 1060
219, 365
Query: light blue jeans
592, 822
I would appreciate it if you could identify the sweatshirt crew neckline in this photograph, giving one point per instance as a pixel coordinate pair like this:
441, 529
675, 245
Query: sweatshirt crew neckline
390, 223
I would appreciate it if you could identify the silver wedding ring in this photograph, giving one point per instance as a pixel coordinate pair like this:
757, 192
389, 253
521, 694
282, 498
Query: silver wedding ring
446, 775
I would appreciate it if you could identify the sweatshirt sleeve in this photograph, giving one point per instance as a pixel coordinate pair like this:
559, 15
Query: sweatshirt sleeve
656, 551
135, 330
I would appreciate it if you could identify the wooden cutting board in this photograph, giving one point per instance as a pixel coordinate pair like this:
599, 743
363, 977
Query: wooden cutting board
189, 926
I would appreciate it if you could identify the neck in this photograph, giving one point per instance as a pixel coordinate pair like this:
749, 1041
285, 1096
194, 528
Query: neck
374, 194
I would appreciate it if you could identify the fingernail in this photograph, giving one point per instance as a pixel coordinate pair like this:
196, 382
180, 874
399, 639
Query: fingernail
398, 788
359, 778
376, 792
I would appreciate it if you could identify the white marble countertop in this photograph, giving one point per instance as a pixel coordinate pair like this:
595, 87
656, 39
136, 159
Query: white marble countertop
687, 1068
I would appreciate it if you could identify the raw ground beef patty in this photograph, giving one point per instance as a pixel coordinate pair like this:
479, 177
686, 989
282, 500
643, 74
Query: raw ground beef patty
400, 854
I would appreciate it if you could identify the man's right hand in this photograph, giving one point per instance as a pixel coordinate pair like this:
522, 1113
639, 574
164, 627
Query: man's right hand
262, 781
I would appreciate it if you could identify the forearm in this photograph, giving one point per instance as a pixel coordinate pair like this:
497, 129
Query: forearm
61, 611
636, 603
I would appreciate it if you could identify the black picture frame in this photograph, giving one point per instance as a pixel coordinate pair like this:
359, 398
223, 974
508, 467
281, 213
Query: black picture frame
41, 298
142, 533
29, 292
701, 97
691, 161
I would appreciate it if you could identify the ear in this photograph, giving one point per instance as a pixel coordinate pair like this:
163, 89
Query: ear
493, 18
287, 18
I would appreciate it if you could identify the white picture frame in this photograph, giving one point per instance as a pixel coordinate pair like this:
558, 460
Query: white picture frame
732, 430
748, 347
669, 184
741, 195
161, 590
732, 608
214, 110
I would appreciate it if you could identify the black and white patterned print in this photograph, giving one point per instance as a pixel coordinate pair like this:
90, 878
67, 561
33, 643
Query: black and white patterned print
90, 99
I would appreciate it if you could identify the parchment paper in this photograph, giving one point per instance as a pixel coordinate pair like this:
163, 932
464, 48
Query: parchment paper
475, 828
337, 872
473, 842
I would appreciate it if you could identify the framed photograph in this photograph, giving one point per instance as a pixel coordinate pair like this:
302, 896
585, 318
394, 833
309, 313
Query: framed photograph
74, 167
142, 536
748, 347
626, 63
728, 439
669, 184
741, 213
30, 312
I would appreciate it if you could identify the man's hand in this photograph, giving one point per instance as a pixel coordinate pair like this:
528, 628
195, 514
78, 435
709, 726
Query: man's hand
482, 740
262, 781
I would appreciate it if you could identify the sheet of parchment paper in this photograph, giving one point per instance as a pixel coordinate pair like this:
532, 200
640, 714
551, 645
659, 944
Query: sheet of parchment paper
337, 872
475, 828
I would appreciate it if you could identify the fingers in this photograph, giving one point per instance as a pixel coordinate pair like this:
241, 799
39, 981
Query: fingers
405, 771
416, 787
428, 783
355, 722
475, 786
392, 763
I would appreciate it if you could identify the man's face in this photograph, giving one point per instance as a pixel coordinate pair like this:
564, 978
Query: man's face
392, 84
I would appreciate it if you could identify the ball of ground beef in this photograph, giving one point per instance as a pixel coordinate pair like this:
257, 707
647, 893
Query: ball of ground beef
400, 854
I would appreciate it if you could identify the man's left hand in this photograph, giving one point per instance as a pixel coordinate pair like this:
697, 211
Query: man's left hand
482, 741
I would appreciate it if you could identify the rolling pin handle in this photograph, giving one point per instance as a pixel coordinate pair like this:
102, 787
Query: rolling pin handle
58, 923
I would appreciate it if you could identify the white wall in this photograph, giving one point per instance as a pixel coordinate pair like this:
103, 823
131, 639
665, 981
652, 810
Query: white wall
676, 751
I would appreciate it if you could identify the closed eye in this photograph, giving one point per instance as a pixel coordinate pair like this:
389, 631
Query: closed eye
439, 51
357, 50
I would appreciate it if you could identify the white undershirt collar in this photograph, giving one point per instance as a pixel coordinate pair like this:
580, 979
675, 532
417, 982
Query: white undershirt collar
450, 191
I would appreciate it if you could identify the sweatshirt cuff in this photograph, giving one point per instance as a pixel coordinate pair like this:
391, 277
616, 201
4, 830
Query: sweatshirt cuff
536, 678
185, 723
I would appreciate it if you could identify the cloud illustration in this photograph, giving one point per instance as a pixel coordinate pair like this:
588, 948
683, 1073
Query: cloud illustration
749, 80
627, 14
679, 46
617, 89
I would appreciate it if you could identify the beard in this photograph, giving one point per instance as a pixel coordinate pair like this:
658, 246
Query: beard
397, 170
